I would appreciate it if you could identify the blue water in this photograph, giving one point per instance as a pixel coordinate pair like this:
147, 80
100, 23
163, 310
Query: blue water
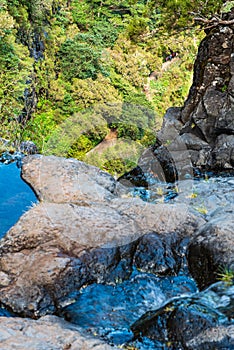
16, 196
109, 310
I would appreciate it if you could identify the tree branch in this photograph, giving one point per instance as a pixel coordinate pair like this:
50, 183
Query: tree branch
214, 21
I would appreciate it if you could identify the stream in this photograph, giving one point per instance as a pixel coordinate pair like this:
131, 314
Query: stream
138, 313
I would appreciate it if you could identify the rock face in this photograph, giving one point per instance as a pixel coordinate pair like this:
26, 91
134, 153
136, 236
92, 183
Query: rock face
81, 232
192, 322
50, 332
205, 124
88, 229
200, 135
221, 337
212, 249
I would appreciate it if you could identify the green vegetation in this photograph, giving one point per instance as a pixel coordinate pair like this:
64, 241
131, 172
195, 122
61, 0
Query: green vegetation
226, 275
88, 62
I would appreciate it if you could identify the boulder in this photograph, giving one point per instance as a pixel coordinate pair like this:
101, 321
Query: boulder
212, 249
223, 151
80, 232
62, 180
185, 322
28, 147
159, 255
49, 332
219, 337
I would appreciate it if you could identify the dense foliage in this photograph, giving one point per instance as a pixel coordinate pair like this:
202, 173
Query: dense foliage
87, 63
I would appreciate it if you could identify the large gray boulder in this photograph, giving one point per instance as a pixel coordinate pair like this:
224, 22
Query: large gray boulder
84, 229
62, 180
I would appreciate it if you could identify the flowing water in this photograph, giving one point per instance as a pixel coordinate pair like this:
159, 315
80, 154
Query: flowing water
112, 312
109, 310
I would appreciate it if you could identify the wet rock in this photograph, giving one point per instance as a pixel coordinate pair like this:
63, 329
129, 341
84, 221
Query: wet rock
212, 249
215, 195
10, 157
154, 254
223, 152
184, 320
160, 218
49, 332
51, 251
28, 147
174, 324
4, 143
81, 232
220, 337
171, 125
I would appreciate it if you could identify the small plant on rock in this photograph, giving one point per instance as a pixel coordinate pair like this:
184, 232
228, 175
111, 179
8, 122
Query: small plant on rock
226, 275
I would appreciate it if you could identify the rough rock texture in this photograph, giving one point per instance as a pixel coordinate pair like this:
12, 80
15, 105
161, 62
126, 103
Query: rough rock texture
199, 135
205, 124
155, 255
221, 337
80, 232
63, 180
212, 249
200, 321
28, 147
47, 333
176, 323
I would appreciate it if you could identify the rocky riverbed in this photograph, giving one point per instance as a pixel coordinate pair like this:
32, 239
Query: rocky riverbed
140, 263
129, 271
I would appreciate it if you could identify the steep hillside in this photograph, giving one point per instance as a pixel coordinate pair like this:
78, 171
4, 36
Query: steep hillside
88, 63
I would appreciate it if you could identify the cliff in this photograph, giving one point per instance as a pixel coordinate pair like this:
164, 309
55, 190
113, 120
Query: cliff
205, 124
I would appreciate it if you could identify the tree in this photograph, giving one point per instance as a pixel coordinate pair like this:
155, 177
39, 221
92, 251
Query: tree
79, 60
179, 14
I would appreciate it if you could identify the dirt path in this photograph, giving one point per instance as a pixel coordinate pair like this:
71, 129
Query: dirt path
109, 140
111, 137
